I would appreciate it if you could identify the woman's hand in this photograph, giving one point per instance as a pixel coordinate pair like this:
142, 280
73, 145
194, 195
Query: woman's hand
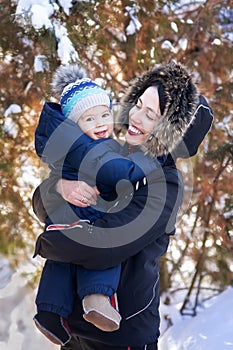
77, 192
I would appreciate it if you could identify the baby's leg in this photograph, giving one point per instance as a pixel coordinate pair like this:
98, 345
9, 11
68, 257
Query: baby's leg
95, 288
54, 301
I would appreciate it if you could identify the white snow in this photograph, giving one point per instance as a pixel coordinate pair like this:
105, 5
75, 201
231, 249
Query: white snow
66, 4
40, 14
39, 11
65, 50
12, 109
17, 329
167, 45
5, 272
40, 63
134, 24
210, 329
217, 42
10, 126
183, 43
174, 27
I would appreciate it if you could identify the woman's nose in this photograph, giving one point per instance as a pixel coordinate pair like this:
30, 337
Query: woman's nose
136, 116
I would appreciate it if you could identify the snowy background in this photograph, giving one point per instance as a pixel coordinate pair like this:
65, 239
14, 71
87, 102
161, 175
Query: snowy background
211, 329
40, 14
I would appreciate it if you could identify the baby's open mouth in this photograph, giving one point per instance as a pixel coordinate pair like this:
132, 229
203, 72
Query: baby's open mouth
101, 134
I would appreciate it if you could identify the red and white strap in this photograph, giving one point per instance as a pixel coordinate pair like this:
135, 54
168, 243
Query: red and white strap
63, 227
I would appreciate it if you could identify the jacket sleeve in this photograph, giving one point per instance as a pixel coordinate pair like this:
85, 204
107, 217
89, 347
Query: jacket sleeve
196, 132
150, 214
46, 199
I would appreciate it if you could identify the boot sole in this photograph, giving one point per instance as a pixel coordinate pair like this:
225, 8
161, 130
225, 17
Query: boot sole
101, 322
48, 334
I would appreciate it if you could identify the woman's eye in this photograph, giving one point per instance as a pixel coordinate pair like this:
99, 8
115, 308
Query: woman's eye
106, 115
149, 117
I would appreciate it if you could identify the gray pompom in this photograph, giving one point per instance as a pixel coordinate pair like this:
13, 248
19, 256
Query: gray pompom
65, 75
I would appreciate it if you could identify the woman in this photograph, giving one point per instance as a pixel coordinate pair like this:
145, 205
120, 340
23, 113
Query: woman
138, 234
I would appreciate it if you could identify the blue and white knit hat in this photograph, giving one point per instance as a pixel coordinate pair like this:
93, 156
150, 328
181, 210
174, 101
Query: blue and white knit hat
78, 93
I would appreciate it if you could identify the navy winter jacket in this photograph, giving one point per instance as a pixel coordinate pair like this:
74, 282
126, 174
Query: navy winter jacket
136, 236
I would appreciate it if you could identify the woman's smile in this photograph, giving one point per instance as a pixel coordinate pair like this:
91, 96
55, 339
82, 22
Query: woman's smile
133, 130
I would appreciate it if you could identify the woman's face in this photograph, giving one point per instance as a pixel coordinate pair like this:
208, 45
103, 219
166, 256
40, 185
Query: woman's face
143, 117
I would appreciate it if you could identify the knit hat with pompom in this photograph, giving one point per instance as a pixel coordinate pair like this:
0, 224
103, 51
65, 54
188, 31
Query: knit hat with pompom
77, 92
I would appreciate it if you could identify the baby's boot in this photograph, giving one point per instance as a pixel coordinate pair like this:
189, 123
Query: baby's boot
99, 311
53, 326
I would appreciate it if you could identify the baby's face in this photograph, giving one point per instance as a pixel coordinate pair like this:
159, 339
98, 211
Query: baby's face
97, 122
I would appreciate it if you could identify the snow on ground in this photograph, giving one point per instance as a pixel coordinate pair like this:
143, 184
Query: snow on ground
211, 329
17, 330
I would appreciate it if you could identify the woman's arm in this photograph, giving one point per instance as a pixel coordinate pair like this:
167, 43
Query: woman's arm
149, 216
52, 192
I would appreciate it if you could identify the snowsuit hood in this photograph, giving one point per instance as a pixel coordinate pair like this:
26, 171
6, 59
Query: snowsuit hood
180, 99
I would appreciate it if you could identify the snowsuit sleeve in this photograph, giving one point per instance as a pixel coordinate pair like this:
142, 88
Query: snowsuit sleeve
103, 165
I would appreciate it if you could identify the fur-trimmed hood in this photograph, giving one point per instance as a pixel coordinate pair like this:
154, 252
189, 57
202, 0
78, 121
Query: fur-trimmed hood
181, 99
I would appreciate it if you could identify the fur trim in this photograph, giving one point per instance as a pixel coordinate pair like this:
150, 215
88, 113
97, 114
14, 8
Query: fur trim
181, 101
65, 75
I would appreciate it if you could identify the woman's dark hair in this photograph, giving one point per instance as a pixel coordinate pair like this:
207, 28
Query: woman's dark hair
162, 96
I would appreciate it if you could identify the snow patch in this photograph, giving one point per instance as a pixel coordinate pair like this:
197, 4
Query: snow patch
210, 329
